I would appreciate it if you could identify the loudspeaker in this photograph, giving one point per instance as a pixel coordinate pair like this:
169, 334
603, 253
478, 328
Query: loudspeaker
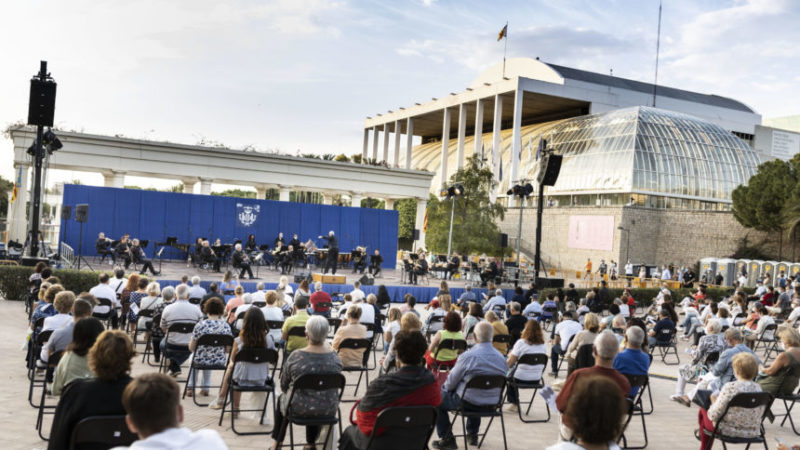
66, 212
544, 283
548, 171
416, 234
82, 213
503, 240
42, 103
367, 280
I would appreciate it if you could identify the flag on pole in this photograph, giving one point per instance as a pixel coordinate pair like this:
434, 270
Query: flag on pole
425, 221
17, 185
503, 33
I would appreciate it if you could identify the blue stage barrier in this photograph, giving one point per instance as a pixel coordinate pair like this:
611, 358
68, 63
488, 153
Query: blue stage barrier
155, 215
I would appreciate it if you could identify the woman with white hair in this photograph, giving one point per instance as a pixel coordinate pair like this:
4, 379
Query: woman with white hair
156, 332
713, 341
315, 358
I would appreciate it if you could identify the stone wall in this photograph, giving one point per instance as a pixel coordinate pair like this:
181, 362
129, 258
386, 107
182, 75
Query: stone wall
657, 236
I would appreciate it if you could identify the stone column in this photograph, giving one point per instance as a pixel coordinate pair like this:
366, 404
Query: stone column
205, 186
388, 203
462, 130
496, 129
385, 143
355, 199
261, 192
396, 155
375, 142
478, 127
17, 219
445, 144
115, 179
419, 224
366, 145
284, 193
516, 140
327, 198
188, 185
409, 140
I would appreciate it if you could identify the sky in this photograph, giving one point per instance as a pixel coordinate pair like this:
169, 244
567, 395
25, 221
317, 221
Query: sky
302, 75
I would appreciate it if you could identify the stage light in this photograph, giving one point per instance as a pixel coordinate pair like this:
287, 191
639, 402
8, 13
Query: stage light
32, 149
51, 141
443, 193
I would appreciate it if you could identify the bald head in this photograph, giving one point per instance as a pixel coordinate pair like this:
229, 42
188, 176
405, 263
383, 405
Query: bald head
483, 332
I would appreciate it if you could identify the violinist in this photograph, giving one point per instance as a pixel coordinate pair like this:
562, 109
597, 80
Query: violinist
208, 256
241, 261
139, 257
375, 263
359, 260
102, 247
123, 251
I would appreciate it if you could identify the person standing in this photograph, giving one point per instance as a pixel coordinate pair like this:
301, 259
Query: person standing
333, 252
629, 269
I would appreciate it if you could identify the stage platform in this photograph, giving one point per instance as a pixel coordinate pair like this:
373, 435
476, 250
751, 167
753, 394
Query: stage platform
172, 271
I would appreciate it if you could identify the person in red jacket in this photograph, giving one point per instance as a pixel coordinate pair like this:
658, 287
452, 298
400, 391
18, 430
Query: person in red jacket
410, 385
320, 296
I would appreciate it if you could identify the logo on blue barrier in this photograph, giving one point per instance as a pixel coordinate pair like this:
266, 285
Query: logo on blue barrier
247, 214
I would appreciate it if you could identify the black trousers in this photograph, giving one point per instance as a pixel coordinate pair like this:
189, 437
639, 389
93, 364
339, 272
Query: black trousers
359, 266
332, 260
245, 268
147, 264
212, 260
374, 270
280, 427
104, 253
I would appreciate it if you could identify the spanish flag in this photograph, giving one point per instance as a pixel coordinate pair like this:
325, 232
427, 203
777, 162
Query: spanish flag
17, 185
425, 222
503, 33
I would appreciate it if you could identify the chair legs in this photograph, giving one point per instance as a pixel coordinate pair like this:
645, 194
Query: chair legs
528, 410
361, 374
194, 386
234, 412
788, 415
482, 435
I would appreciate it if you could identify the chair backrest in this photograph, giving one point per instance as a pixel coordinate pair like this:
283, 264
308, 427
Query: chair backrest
286, 313
502, 338
277, 325
459, 345
585, 356
323, 305
297, 331
260, 304
39, 323
436, 319
356, 344
240, 316
790, 373
317, 382
417, 420
104, 302
256, 355
181, 327
711, 358
747, 400
550, 309
195, 300
215, 340
145, 313
769, 329
43, 337
107, 431
532, 359
486, 382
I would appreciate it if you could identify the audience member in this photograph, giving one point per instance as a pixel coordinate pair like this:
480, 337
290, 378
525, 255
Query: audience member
103, 291
775, 379
61, 338
298, 319
320, 301
712, 342
632, 360
176, 345
451, 330
591, 326
350, 357
531, 342
516, 321
500, 329
408, 322
564, 332
74, 364
62, 303
205, 355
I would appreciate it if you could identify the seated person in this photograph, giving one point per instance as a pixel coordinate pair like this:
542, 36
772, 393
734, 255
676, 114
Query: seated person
154, 412
214, 324
453, 265
61, 338
241, 261
208, 256
420, 268
775, 380
499, 329
138, 256
110, 361
531, 342
660, 335
103, 248
409, 385
408, 322
563, 333
359, 260
712, 341
591, 326
175, 347
451, 330
122, 251
632, 360
350, 357
489, 273
75, 364
287, 260
375, 263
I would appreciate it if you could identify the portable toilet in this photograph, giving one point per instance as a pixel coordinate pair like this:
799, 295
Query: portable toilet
754, 272
742, 266
727, 268
781, 267
708, 268
768, 272
794, 270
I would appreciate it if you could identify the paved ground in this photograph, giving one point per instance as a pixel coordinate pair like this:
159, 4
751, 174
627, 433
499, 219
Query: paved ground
669, 427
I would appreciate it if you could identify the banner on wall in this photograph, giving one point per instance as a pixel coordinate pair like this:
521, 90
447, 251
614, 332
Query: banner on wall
247, 214
591, 232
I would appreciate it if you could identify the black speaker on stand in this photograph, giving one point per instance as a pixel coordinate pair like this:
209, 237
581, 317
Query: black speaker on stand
66, 213
81, 216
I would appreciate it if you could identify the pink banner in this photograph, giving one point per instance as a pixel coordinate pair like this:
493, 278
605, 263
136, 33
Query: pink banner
591, 232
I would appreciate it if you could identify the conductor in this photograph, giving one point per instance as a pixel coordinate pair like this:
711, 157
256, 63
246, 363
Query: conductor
333, 252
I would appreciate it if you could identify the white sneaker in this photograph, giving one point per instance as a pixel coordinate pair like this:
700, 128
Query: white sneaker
512, 408
216, 404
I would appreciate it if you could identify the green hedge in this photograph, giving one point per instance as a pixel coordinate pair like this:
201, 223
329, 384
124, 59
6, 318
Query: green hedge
14, 280
644, 296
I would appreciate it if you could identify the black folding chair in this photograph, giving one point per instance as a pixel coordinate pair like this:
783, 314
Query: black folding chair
195, 300
748, 401
404, 427
323, 305
36, 350
333, 325
788, 400
458, 345
148, 343
177, 327
640, 382
208, 341
146, 313
767, 341
314, 382
363, 369
101, 432
529, 359
466, 410
105, 317
297, 331
552, 312
664, 343
254, 356
563, 355
375, 336
430, 331
52, 363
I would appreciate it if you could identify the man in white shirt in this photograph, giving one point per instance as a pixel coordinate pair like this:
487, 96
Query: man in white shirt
260, 295
565, 330
367, 315
196, 291
497, 303
533, 310
103, 290
119, 282
666, 275
629, 269
154, 413
181, 311
742, 280
357, 294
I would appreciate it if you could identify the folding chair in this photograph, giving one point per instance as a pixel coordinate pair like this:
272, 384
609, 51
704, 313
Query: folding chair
333, 325
429, 332
403, 427
195, 300
177, 327
769, 344
502, 339
294, 331
52, 363
35, 351
530, 359
458, 345
374, 347
209, 341
148, 343
105, 317
636, 407
357, 344
793, 370
743, 400
251, 355
101, 432
481, 382
551, 312
563, 356
667, 343
148, 313
583, 358
314, 382
323, 305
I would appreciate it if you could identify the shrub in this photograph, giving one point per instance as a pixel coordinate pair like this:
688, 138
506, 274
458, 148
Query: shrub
14, 280
644, 296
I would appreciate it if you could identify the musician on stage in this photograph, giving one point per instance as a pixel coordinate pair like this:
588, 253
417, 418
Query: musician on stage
489, 273
103, 248
359, 260
241, 261
299, 251
208, 256
295, 243
250, 246
195, 255
420, 267
139, 257
332, 259
123, 251
279, 242
375, 263
453, 265
287, 259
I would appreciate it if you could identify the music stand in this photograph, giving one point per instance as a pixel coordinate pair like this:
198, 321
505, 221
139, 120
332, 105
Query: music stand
160, 252
80, 245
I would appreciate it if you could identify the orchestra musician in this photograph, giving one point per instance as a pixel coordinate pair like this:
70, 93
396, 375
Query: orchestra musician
241, 261
489, 273
375, 263
209, 256
359, 260
453, 265
287, 259
103, 248
250, 246
278, 243
196, 256
139, 257
123, 251
333, 252
295, 243
420, 266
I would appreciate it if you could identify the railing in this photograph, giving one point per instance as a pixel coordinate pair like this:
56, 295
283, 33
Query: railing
67, 255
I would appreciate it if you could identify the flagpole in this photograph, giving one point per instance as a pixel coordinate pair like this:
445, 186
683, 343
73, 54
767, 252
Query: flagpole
505, 50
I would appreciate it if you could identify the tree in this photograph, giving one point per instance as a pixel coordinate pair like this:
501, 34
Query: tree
235, 193
5, 187
475, 221
407, 212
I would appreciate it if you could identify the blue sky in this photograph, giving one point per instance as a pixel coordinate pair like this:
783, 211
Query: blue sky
295, 75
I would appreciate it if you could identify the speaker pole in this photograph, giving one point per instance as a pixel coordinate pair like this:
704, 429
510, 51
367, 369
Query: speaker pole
519, 240
37, 175
61, 238
80, 244
537, 257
